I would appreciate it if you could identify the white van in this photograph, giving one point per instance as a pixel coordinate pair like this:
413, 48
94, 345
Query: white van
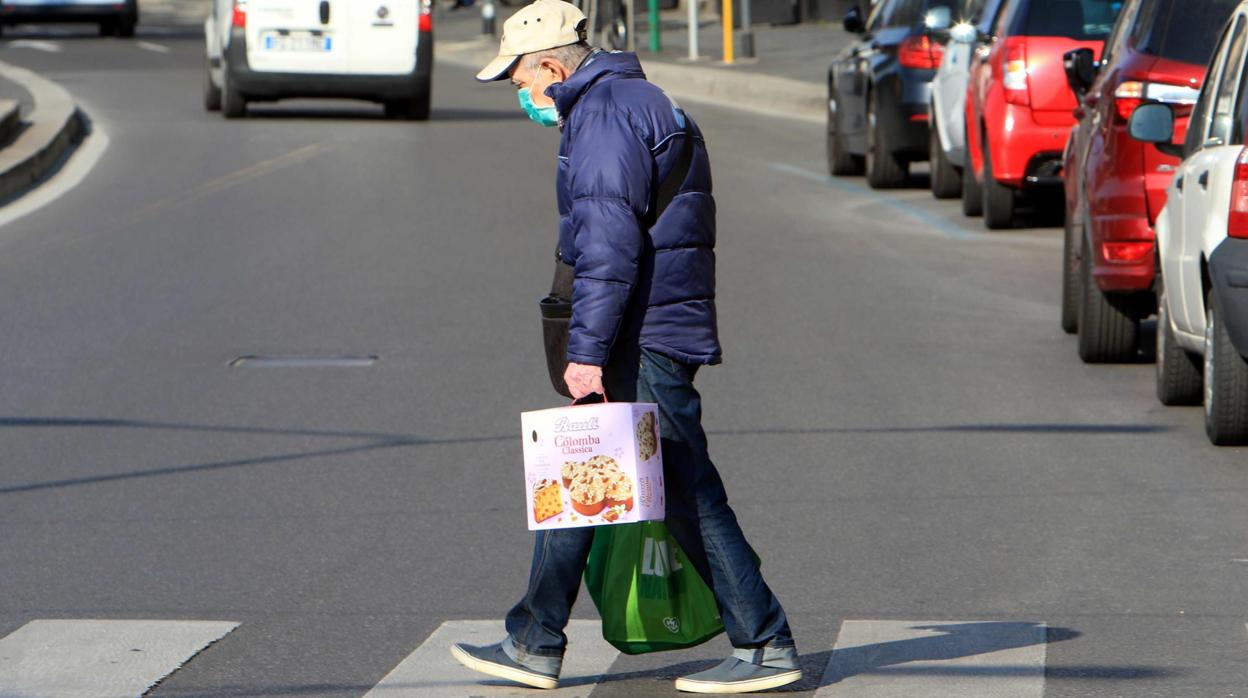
115, 17
265, 50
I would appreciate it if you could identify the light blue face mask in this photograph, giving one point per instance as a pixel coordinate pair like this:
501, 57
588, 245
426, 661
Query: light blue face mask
546, 116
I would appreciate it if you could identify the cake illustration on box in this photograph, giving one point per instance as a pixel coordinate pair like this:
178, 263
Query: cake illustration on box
596, 485
647, 442
547, 500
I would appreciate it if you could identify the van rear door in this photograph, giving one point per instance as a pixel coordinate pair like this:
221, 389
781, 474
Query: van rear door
383, 36
298, 36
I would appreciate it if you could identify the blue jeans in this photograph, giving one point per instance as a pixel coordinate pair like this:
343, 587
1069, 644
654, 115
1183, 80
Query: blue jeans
698, 516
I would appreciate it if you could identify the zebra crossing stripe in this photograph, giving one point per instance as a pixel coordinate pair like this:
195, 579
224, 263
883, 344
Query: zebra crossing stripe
99, 658
431, 671
944, 659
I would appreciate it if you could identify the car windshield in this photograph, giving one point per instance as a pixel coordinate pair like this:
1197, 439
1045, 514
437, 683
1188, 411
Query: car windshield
1185, 30
1082, 20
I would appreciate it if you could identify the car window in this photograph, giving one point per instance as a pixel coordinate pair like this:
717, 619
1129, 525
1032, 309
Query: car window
1224, 104
907, 12
1006, 17
1122, 28
1179, 29
1081, 20
1198, 125
970, 9
878, 14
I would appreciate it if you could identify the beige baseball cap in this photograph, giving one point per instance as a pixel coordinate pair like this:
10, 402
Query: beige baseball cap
545, 24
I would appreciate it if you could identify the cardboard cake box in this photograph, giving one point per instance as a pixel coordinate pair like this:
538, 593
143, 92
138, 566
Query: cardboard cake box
592, 465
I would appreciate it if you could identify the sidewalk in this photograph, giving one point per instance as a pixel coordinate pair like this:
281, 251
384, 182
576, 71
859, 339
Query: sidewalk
787, 78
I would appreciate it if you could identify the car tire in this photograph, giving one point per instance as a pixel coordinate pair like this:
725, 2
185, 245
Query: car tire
841, 162
972, 196
108, 28
212, 93
885, 170
1226, 383
946, 180
233, 103
1070, 279
412, 108
1108, 333
125, 28
998, 208
1179, 374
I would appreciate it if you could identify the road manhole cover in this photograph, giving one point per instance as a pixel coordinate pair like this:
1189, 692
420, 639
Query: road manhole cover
304, 361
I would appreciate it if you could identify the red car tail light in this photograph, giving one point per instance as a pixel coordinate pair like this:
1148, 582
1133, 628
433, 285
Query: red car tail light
1126, 251
426, 16
1237, 220
920, 52
1132, 93
1127, 97
1014, 72
239, 19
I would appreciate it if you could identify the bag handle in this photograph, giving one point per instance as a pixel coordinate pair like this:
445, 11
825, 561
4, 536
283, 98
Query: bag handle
605, 400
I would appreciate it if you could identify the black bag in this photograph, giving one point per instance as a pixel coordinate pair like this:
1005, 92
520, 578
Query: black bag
556, 307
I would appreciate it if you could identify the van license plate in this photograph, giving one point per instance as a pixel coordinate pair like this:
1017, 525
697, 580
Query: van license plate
298, 42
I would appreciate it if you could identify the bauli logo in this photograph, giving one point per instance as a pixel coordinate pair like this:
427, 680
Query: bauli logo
563, 424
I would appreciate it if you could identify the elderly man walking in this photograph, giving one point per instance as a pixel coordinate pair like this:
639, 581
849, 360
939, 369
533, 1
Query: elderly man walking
643, 322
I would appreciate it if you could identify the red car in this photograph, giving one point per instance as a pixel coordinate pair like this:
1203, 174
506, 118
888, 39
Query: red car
1019, 109
1116, 185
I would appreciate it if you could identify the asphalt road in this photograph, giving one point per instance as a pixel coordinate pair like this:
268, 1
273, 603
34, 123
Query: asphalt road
905, 431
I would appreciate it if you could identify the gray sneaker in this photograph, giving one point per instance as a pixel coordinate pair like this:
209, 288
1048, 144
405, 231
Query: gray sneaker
493, 660
735, 675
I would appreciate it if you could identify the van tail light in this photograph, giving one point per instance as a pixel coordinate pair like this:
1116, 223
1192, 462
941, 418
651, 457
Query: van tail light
1237, 220
920, 52
1132, 93
1014, 72
1126, 251
426, 16
239, 19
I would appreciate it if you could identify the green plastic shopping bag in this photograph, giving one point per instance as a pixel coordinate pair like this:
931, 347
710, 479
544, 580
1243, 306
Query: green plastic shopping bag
650, 597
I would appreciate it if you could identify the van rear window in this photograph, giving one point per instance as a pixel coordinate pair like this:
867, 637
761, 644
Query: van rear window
1082, 20
1182, 30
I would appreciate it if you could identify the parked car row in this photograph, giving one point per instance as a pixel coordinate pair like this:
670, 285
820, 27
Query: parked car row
1134, 112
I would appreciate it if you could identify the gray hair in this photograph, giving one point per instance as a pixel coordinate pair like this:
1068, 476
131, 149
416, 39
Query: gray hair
570, 56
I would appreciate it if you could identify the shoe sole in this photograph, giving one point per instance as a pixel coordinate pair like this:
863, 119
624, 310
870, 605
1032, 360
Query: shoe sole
503, 672
692, 686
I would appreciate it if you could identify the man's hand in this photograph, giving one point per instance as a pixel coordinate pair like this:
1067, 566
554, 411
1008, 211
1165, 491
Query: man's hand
583, 380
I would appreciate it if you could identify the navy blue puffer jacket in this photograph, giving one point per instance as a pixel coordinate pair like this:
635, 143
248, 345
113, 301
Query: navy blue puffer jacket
621, 138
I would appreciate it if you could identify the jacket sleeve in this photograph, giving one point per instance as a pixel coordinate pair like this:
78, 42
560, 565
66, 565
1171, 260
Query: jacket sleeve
610, 170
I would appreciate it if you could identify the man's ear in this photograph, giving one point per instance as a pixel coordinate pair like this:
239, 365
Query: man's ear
558, 70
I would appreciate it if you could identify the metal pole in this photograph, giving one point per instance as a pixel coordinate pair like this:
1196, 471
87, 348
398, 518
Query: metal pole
630, 7
745, 38
487, 17
693, 29
726, 14
593, 22
652, 17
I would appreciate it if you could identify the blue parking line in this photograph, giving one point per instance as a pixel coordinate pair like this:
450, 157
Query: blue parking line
944, 227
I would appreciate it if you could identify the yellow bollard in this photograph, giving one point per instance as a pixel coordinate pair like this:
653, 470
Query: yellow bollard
726, 15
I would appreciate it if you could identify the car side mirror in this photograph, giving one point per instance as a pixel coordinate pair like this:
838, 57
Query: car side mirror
1154, 123
938, 19
1081, 67
853, 21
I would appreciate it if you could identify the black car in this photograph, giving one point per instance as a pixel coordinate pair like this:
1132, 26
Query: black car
878, 89
115, 17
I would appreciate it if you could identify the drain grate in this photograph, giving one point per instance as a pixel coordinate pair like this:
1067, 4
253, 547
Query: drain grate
303, 361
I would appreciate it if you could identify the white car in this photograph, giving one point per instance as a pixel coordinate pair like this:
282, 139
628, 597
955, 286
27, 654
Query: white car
115, 17
947, 112
264, 50
1202, 241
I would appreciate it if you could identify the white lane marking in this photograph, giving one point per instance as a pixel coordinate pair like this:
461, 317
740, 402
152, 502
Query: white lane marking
431, 670
81, 161
99, 658
155, 48
36, 44
944, 659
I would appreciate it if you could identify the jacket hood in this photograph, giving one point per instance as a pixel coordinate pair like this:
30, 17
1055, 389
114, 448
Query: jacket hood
600, 65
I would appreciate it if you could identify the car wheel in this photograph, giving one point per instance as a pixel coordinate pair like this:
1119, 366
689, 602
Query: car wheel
1070, 279
1179, 374
972, 196
108, 28
946, 180
884, 169
212, 93
840, 161
125, 28
998, 199
1108, 333
1226, 383
414, 108
233, 103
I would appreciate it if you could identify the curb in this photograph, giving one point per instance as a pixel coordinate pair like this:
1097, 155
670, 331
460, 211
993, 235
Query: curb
724, 87
54, 127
